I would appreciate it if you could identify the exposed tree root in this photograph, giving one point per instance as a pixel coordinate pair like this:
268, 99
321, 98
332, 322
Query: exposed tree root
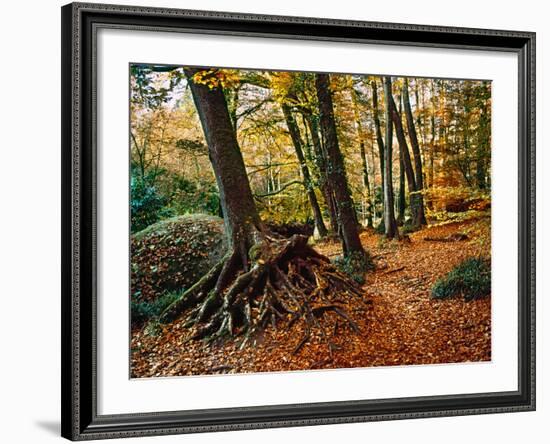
286, 282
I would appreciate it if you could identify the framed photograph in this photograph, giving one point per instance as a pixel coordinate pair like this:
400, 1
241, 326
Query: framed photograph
279, 221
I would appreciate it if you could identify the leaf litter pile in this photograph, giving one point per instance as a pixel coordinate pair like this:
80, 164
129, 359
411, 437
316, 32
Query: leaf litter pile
397, 322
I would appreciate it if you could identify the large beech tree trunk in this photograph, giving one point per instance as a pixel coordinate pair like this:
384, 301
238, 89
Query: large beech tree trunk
336, 171
263, 278
390, 224
242, 222
308, 184
416, 153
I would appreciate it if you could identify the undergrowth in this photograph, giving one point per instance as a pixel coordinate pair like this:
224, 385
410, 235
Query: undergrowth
355, 265
143, 311
470, 279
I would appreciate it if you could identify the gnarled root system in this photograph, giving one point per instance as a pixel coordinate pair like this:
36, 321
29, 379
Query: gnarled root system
286, 282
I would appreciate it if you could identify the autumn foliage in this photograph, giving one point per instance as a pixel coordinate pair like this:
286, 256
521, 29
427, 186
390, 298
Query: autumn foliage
295, 220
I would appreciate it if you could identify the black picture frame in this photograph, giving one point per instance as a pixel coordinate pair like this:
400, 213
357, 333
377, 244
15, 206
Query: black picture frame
80, 420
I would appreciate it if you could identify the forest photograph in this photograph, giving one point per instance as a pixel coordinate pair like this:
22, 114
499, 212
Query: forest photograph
288, 220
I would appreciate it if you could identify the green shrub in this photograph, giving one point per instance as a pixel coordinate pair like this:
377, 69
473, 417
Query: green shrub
142, 311
189, 197
470, 279
147, 205
355, 265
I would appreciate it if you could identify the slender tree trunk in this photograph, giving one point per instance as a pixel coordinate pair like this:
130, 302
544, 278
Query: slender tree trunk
416, 153
336, 170
390, 223
307, 146
433, 133
366, 184
364, 163
297, 142
401, 198
379, 140
483, 145
405, 158
321, 162
375, 214
401, 201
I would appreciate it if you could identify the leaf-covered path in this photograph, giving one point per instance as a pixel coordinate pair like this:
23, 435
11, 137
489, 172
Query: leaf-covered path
401, 325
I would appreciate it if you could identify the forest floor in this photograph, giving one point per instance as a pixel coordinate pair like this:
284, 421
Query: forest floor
401, 325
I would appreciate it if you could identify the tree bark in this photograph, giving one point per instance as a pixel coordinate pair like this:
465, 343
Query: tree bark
401, 198
336, 170
297, 142
321, 162
401, 201
390, 224
416, 153
241, 218
405, 158
379, 140
366, 184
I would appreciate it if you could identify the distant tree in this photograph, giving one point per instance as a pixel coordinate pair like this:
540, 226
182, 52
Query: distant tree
390, 224
407, 168
379, 139
336, 171
362, 151
308, 183
322, 165
419, 198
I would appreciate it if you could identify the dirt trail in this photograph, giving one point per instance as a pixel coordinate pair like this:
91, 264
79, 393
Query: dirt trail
402, 325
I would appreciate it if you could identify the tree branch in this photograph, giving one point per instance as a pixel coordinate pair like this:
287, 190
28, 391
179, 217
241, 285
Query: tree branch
280, 190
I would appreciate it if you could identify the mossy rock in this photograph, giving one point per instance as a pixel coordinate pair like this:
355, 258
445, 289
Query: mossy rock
173, 254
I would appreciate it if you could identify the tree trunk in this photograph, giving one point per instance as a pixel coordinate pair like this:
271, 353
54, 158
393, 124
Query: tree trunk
401, 201
366, 184
336, 170
297, 142
364, 163
321, 162
379, 140
483, 145
416, 153
405, 158
390, 223
263, 278
401, 198
239, 209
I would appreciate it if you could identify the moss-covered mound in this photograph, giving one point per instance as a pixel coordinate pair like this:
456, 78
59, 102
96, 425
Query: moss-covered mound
174, 253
